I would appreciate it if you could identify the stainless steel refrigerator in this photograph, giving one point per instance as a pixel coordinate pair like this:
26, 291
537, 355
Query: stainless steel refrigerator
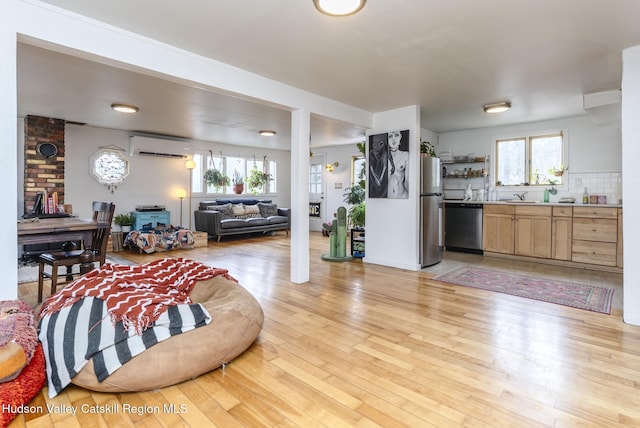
431, 203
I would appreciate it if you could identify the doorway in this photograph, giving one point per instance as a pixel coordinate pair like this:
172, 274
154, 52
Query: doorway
317, 205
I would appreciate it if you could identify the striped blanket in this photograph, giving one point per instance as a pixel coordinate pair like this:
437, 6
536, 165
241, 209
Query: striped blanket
77, 333
136, 295
143, 305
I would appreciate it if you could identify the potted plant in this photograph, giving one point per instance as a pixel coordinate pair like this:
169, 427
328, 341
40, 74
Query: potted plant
427, 149
257, 179
355, 196
558, 171
215, 178
356, 215
125, 221
238, 182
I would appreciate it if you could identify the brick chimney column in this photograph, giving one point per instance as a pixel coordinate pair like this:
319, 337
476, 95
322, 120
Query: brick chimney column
42, 171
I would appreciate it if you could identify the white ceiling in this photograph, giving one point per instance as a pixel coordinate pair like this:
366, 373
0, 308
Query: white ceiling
448, 56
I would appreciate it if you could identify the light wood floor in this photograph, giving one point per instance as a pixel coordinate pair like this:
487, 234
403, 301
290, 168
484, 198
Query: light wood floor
362, 345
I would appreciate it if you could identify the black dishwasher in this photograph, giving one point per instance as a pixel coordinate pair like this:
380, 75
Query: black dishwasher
463, 227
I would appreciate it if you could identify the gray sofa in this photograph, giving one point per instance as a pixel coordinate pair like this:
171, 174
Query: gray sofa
223, 217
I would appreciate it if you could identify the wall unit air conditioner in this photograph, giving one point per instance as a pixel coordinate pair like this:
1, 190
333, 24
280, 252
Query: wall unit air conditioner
158, 147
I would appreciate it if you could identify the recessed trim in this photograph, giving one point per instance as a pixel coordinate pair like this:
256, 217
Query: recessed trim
267, 132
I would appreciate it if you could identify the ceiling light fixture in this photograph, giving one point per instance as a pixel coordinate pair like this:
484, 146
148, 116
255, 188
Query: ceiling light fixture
339, 7
267, 133
124, 108
497, 107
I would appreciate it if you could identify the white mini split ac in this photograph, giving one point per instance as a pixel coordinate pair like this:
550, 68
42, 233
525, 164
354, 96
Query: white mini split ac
157, 147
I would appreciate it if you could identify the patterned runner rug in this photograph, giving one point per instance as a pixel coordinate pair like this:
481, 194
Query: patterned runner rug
576, 295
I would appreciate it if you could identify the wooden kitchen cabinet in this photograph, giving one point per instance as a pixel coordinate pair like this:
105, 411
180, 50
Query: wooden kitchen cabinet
585, 234
561, 233
532, 235
498, 228
619, 255
595, 236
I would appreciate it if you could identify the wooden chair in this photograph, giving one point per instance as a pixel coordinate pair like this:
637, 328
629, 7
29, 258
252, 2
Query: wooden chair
85, 258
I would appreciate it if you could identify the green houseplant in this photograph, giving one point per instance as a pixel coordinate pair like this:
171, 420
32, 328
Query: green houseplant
356, 215
427, 149
257, 179
355, 195
125, 221
215, 178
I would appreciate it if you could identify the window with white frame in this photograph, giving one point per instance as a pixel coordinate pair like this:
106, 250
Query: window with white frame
533, 160
272, 185
236, 168
315, 178
197, 174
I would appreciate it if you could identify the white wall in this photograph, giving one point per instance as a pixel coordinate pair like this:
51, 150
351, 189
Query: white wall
392, 225
631, 184
152, 180
341, 176
8, 165
594, 154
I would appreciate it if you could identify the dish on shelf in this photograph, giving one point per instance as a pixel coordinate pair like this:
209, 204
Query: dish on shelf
463, 159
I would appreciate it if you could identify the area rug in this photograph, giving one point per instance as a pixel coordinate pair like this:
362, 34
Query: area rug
576, 295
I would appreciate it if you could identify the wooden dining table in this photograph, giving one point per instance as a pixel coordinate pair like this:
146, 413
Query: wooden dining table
46, 230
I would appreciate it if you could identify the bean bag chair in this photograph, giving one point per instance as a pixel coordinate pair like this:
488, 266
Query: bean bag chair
237, 320
135, 328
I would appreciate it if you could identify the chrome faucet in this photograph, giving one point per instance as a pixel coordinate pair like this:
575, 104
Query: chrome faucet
520, 196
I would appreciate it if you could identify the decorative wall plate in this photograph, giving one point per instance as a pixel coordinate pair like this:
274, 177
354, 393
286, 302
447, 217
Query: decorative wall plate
47, 150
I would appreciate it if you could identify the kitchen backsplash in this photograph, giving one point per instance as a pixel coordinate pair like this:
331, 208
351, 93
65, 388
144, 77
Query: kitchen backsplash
608, 184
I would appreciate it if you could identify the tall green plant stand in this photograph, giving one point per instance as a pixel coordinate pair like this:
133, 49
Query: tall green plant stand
338, 238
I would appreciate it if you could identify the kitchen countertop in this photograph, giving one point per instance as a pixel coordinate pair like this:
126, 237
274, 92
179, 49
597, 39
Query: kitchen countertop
537, 203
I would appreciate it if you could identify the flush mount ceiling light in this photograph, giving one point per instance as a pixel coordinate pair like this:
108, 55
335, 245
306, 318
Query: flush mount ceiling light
267, 133
339, 7
497, 107
124, 108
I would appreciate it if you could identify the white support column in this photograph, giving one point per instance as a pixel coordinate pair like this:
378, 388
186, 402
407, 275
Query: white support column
8, 164
631, 182
300, 132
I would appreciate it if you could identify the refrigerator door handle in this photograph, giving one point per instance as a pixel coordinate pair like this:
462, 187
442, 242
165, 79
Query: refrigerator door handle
440, 228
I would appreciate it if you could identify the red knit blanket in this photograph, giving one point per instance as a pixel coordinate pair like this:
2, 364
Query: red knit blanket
136, 295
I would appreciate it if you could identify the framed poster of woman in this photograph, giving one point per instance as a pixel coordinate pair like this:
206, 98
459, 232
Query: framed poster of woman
388, 163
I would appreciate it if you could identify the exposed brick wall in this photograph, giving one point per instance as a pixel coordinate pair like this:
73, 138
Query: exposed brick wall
42, 173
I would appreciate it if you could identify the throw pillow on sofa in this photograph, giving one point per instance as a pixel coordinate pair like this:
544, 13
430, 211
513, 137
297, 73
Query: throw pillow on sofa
252, 211
225, 211
238, 210
267, 210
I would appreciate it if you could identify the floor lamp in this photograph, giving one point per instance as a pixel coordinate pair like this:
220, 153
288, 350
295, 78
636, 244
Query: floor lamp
181, 193
190, 166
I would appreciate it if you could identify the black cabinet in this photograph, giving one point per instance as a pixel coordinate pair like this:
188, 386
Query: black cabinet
357, 242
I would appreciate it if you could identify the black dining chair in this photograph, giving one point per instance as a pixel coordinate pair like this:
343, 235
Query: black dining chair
85, 258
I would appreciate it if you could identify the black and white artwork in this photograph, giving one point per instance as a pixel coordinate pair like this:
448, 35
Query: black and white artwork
388, 163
